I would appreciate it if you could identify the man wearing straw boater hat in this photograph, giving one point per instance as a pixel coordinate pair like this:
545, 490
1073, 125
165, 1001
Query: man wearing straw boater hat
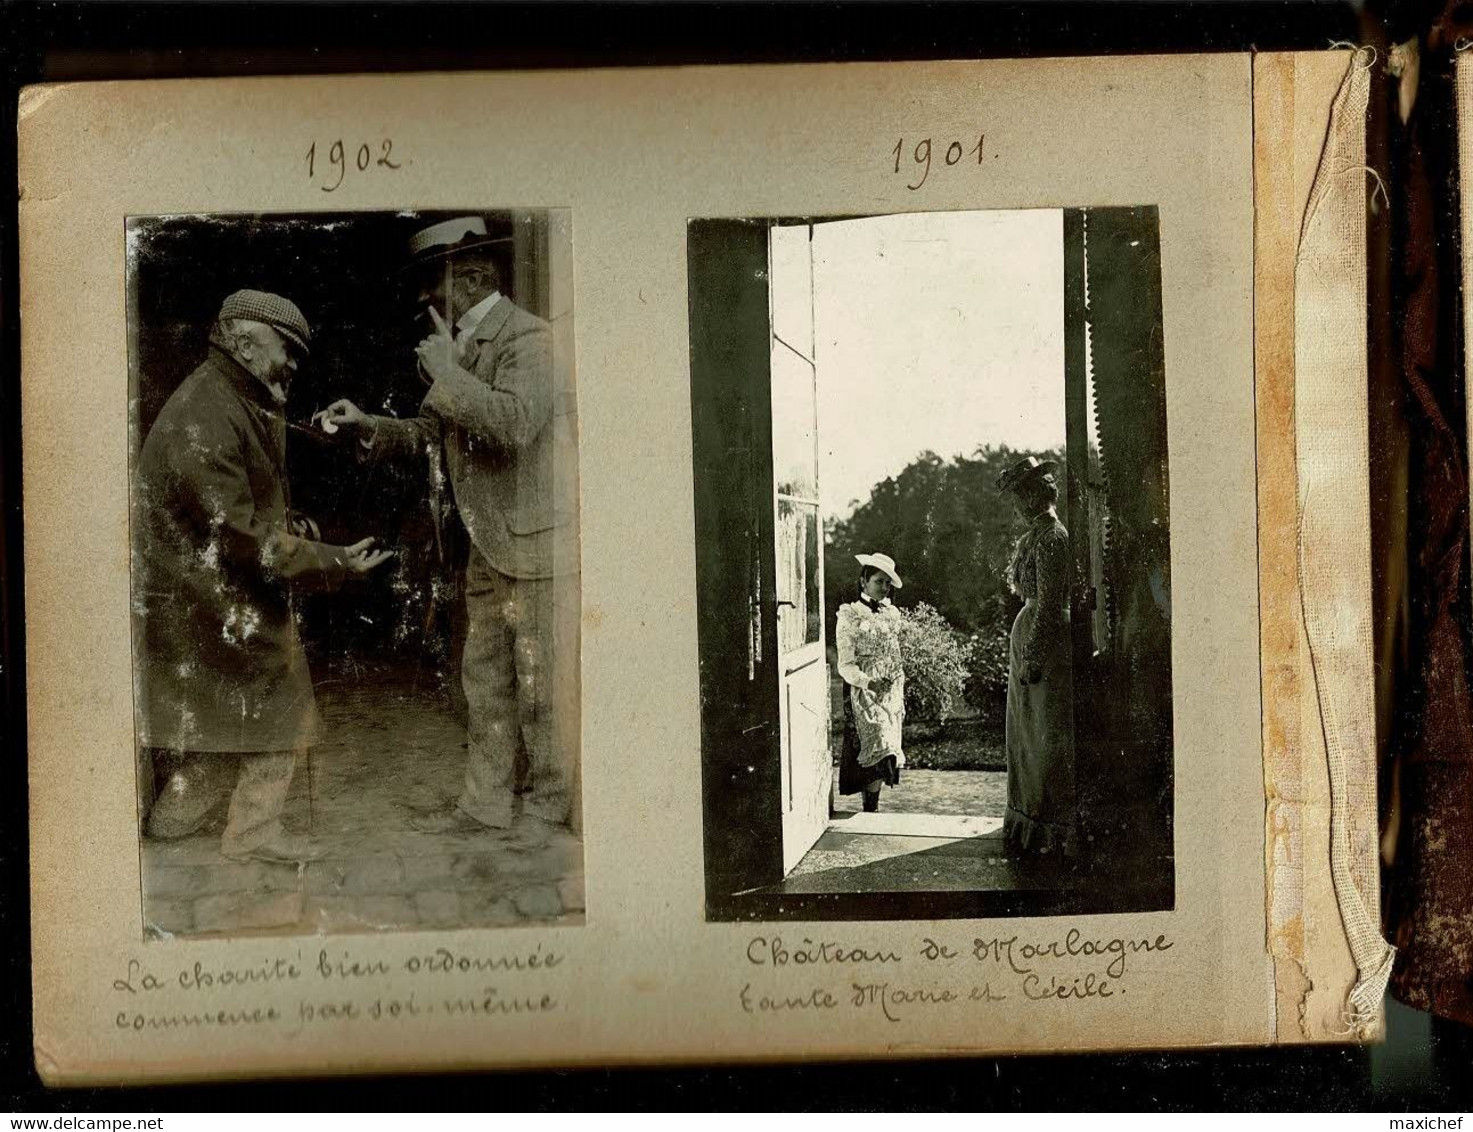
502, 417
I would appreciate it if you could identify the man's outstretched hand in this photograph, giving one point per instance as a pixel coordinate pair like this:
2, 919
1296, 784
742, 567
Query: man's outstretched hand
343, 415
362, 558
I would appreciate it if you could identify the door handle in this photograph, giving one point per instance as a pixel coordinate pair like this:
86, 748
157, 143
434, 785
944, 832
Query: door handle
779, 602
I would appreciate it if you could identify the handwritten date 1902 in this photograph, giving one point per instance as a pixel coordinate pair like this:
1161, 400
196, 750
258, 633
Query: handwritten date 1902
921, 155
341, 159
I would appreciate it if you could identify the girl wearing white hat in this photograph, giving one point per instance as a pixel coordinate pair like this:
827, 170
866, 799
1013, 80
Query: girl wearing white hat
867, 635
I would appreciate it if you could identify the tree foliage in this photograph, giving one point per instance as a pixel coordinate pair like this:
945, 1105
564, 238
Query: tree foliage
951, 533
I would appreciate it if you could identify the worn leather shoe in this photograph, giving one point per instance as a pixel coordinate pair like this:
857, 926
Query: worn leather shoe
529, 831
450, 820
285, 849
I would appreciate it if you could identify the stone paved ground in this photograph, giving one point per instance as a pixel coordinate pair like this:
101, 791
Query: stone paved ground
871, 862
386, 750
845, 861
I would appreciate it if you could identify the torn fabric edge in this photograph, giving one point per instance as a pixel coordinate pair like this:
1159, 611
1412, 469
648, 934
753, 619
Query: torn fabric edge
1331, 408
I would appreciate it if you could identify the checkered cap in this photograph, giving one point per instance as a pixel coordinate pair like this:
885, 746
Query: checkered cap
280, 314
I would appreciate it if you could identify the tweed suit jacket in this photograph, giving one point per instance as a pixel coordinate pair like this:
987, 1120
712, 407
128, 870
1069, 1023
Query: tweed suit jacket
506, 420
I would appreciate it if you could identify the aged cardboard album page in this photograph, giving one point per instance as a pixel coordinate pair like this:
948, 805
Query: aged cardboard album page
708, 564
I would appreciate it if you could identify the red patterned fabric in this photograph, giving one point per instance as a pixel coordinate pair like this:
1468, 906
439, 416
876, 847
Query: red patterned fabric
1429, 906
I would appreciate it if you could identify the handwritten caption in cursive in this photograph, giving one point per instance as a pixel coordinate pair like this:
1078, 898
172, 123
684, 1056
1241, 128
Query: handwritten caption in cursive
329, 170
916, 161
896, 982
291, 992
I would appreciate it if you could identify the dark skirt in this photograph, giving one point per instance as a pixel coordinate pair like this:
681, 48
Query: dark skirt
853, 778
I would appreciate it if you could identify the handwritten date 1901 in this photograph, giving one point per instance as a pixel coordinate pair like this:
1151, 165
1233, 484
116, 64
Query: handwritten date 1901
921, 155
341, 159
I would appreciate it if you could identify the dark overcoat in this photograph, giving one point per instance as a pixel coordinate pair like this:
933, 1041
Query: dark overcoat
219, 662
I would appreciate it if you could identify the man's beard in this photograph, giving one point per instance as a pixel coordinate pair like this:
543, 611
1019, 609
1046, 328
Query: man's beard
276, 378
462, 298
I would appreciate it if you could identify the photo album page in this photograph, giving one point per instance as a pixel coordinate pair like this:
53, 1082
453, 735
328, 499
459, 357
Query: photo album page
700, 565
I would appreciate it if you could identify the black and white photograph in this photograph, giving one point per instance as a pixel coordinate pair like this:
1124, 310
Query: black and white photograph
933, 564
355, 571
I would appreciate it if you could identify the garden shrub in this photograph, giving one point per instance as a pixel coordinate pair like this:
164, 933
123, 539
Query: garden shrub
935, 659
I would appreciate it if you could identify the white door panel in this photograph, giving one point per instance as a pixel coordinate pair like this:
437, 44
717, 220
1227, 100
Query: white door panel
807, 767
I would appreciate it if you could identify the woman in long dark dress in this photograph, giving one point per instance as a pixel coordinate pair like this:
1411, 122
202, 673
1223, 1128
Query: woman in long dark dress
1040, 817
867, 636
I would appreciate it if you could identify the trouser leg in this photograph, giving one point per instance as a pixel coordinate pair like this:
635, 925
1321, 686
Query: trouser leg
457, 629
258, 801
488, 673
546, 652
568, 692
196, 786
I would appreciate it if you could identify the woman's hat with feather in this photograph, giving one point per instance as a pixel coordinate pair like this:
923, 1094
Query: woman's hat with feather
1030, 467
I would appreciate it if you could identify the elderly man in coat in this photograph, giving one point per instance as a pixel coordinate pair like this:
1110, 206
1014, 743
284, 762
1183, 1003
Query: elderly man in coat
502, 415
225, 694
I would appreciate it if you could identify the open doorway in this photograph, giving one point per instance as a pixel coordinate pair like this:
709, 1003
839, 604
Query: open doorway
926, 406
917, 572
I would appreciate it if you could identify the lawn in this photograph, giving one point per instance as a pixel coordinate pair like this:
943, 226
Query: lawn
957, 744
